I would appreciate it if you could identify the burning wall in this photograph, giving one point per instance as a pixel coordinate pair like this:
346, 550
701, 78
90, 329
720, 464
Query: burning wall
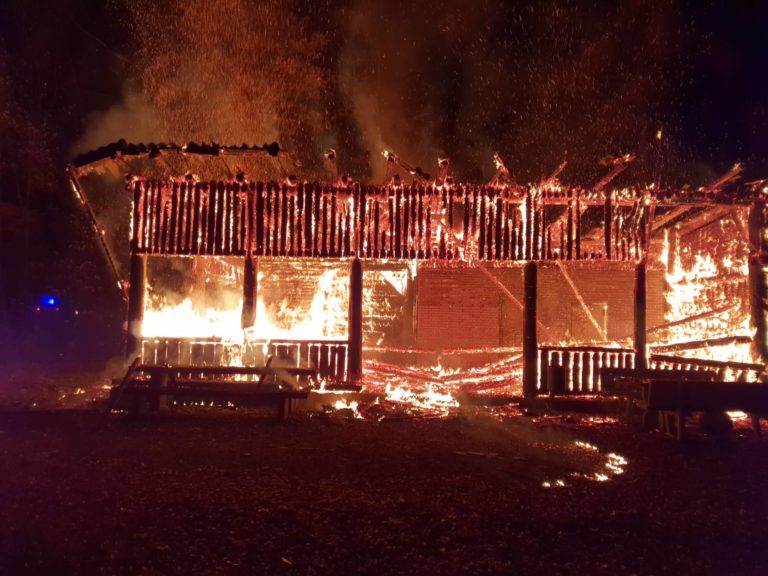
463, 308
201, 297
442, 267
707, 287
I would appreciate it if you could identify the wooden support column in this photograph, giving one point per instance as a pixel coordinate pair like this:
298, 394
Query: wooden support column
530, 344
608, 222
136, 290
355, 354
641, 350
758, 289
250, 292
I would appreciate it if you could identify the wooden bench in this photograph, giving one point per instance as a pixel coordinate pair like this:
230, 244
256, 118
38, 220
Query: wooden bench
150, 386
632, 384
675, 400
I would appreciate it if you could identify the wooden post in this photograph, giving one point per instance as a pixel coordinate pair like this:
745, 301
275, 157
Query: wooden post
641, 351
758, 290
138, 281
674, 247
530, 344
250, 291
355, 354
607, 223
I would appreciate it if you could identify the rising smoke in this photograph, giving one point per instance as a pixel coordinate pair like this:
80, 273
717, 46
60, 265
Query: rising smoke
536, 82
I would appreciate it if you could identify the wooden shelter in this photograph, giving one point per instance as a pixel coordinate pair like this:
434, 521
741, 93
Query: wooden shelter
201, 201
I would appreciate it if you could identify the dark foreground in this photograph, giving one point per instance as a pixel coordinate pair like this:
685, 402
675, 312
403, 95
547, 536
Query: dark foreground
230, 493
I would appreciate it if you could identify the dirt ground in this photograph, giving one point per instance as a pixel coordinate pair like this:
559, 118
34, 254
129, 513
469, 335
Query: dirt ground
217, 492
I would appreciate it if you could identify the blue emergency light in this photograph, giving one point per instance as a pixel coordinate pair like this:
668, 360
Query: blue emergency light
49, 302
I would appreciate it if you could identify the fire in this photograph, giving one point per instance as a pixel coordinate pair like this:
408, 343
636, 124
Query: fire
689, 295
352, 406
429, 398
325, 319
612, 465
183, 320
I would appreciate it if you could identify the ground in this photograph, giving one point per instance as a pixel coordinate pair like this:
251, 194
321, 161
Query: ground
225, 492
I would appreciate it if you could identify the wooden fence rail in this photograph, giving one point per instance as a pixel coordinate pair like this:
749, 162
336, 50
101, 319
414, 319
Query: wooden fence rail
576, 369
329, 357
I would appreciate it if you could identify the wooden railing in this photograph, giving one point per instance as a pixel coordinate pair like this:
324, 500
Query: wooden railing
736, 371
577, 368
329, 357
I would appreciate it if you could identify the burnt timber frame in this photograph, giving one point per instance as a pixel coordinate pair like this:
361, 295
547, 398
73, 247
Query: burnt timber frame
461, 223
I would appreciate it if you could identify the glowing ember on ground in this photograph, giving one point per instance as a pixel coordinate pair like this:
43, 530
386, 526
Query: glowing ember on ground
352, 406
612, 465
428, 398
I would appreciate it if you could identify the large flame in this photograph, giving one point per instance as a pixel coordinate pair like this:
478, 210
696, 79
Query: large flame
689, 295
325, 319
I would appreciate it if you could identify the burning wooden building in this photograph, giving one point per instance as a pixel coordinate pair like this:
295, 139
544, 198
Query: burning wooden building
230, 260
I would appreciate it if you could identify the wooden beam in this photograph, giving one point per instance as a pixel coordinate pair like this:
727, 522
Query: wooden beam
706, 362
641, 351
682, 321
530, 343
671, 214
504, 290
250, 292
704, 219
136, 290
704, 343
757, 281
355, 372
582, 303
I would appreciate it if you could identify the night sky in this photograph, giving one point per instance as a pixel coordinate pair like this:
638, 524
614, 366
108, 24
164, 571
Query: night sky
535, 81
538, 82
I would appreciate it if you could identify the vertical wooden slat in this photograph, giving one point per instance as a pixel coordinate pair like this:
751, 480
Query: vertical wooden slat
428, 223
225, 192
276, 225
376, 238
577, 224
481, 236
607, 220
576, 372
300, 220
324, 213
259, 214
406, 221
569, 227
268, 219
292, 224
159, 211
586, 372
137, 219
172, 232
284, 220
334, 225
220, 218
498, 239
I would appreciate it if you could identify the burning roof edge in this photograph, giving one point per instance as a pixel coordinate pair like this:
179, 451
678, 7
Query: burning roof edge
152, 149
726, 189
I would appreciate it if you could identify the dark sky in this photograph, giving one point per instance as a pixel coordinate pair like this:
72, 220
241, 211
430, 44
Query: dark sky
536, 81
